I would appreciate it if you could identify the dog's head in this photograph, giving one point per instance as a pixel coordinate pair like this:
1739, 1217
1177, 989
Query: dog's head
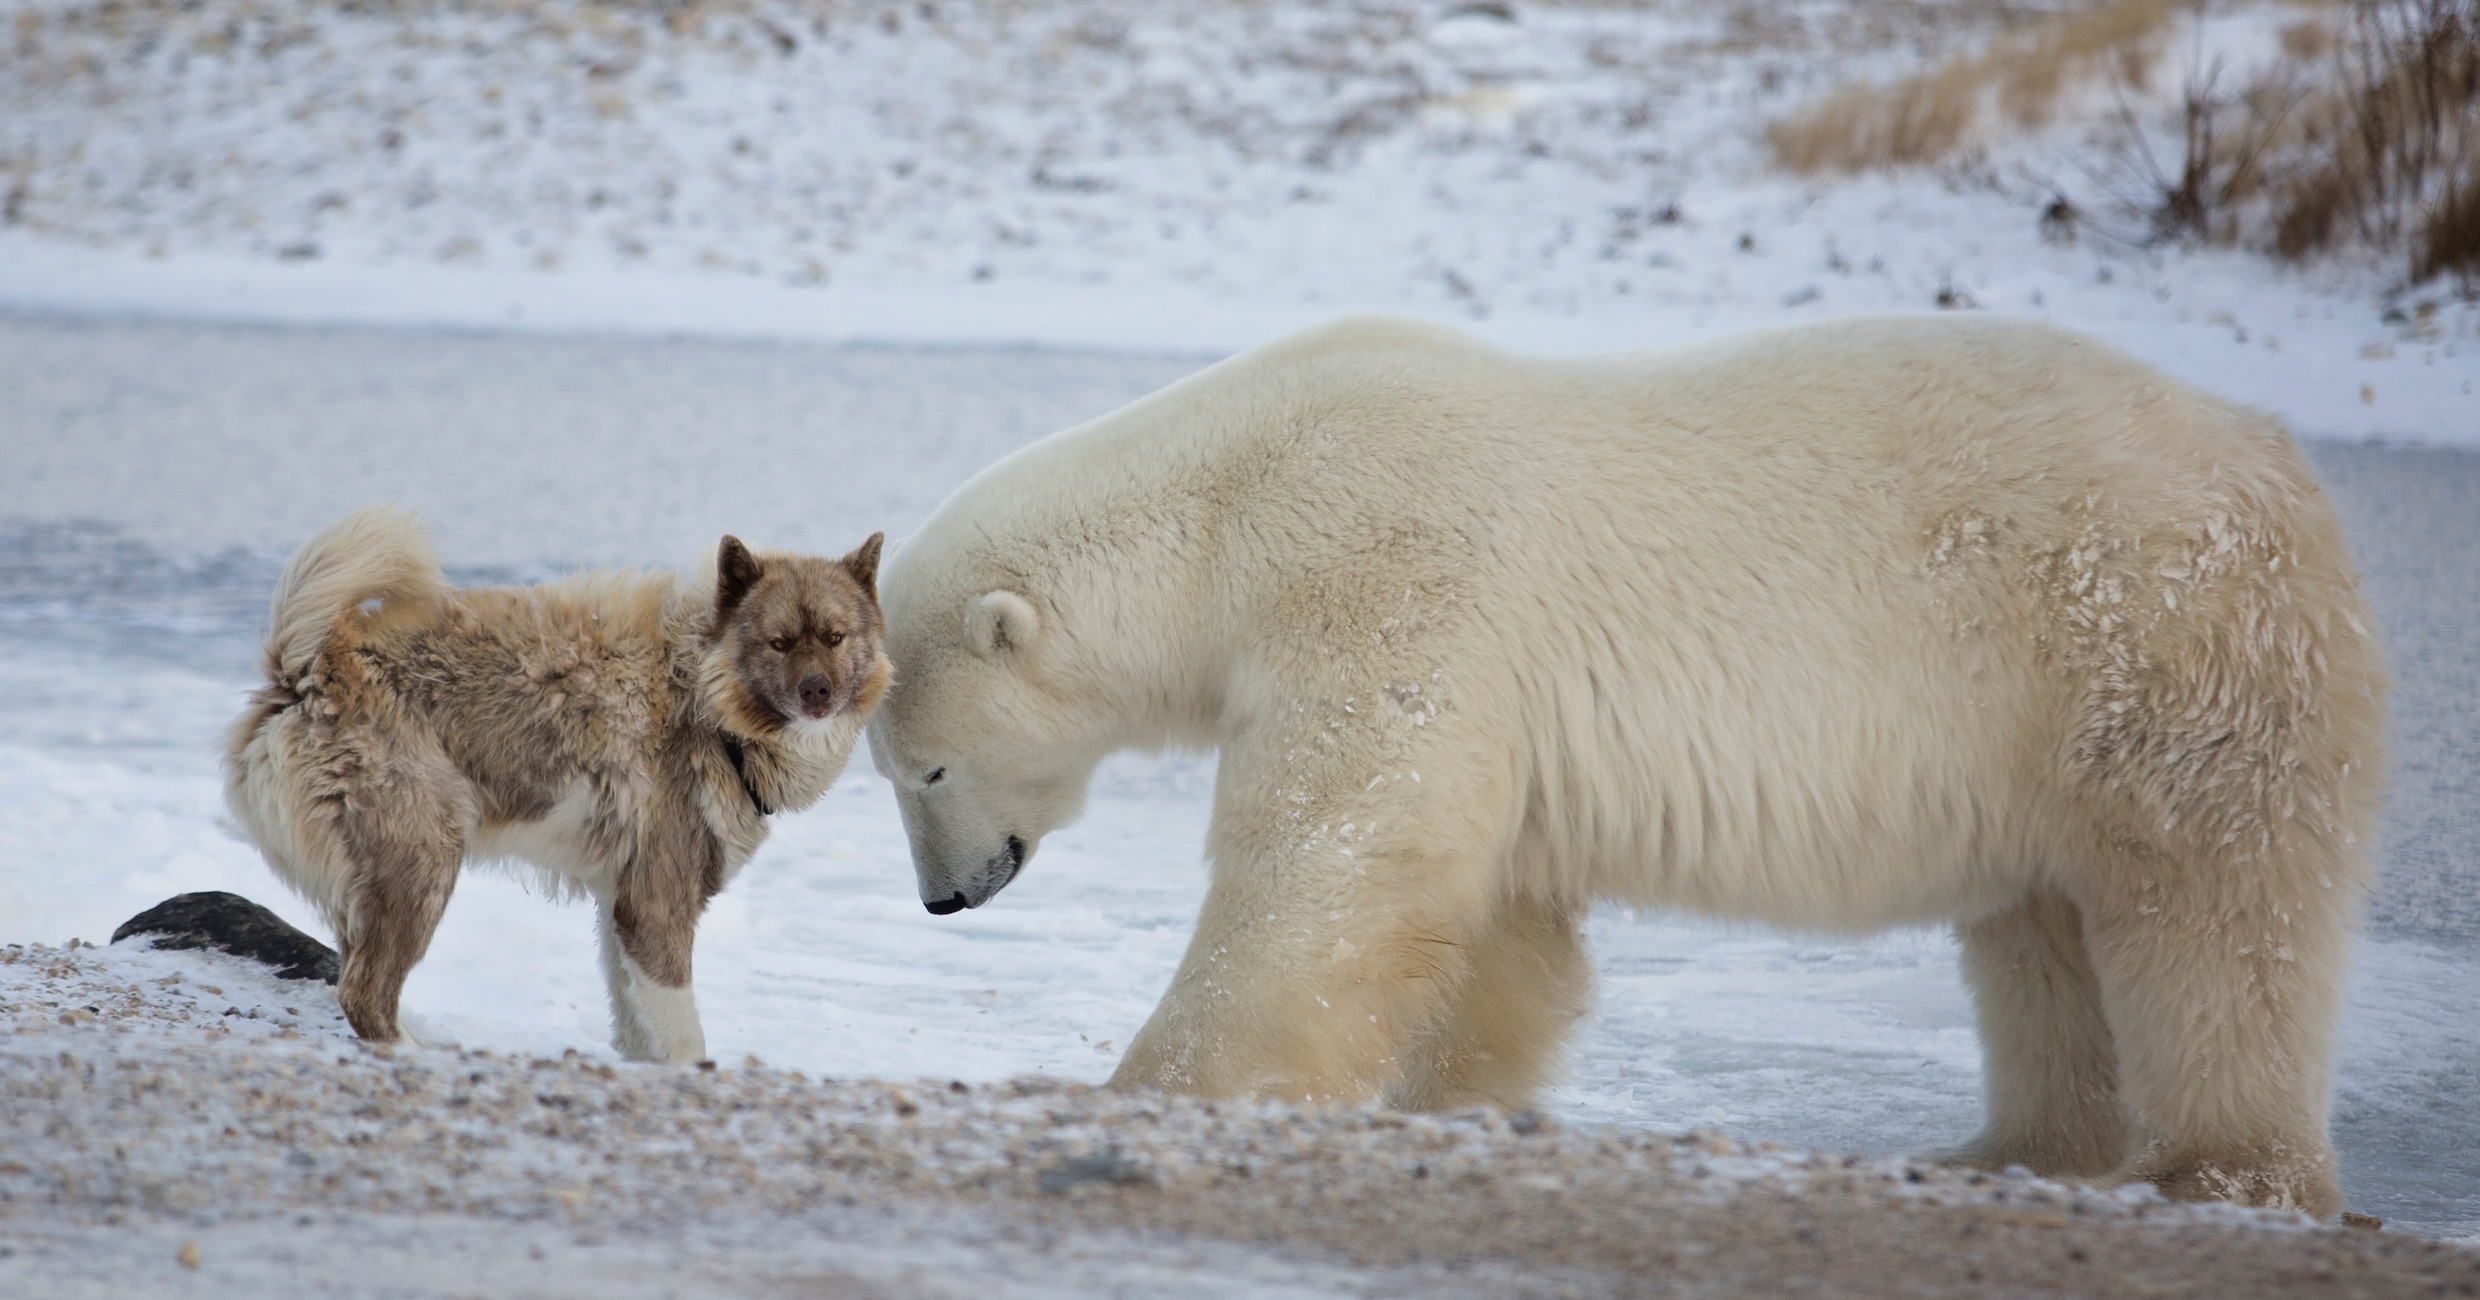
795, 639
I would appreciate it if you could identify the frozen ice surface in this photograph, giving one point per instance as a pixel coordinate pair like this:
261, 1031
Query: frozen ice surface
521, 454
133, 576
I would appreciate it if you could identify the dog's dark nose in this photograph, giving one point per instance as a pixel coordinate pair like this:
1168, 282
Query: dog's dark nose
816, 694
947, 906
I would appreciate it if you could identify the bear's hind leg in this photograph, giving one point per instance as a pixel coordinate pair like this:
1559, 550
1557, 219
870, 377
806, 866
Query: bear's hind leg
1526, 981
2050, 1073
2222, 981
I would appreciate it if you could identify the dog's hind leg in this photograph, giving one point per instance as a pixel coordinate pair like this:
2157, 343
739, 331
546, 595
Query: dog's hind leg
406, 839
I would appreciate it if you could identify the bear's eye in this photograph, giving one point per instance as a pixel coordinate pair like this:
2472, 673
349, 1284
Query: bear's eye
933, 777
835, 638
781, 644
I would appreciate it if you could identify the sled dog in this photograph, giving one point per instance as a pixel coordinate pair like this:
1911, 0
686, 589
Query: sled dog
623, 734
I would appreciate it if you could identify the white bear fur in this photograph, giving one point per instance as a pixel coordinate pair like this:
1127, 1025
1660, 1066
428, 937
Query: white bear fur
1838, 627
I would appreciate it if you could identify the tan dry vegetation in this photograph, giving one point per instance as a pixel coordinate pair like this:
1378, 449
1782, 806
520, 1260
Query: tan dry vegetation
2364, 138
2366, 134
2450, 236
1928, 117
2387, 153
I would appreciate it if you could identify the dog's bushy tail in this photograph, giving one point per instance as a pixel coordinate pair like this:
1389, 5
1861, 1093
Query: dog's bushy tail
382, 553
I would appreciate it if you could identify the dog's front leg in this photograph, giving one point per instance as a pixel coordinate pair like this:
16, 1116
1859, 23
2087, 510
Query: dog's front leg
654, 1013
629, 1035
653, 919
666, 1020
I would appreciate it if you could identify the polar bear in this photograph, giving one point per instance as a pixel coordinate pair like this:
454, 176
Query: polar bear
1838, 627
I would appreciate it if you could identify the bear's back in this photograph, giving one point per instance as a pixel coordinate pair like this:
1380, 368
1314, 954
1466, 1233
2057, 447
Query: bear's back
1757, 615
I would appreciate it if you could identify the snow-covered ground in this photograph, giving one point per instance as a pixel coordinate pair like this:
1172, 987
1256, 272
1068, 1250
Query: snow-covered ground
643, 226
1114, 173
164, 470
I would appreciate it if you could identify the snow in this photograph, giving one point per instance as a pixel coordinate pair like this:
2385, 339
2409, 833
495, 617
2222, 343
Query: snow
133, 581
1098, 173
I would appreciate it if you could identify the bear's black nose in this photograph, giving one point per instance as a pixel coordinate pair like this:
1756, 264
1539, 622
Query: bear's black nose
949, 905
817, 693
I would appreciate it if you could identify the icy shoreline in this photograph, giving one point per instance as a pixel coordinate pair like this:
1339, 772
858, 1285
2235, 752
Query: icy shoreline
2325, 378
136, 1109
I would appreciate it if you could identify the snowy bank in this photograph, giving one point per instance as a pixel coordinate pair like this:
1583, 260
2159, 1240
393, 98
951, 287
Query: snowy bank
1098, 173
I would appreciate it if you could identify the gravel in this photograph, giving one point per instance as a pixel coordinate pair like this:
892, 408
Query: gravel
184, 1123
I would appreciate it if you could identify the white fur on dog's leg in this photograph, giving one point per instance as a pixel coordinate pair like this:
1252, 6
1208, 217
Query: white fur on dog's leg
415, 1031
628, 1030
666, 1017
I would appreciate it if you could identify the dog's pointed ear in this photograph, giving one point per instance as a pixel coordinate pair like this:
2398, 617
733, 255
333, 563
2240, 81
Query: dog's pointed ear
1000, 623
736, 571
862, 564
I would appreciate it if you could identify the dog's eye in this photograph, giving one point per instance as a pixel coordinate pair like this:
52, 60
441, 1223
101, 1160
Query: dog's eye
835, 638
782, 644
933, 777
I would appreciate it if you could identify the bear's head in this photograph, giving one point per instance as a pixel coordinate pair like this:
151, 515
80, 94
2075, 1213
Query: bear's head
985, 735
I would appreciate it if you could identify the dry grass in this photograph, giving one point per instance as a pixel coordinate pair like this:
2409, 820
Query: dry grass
2368, 139
2217, 179
1927, 118
2389, 156
2450, 234
2366, 135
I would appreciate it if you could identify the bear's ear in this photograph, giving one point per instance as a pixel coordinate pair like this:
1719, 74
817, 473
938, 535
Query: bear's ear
736, 571
1000, 623
862, 564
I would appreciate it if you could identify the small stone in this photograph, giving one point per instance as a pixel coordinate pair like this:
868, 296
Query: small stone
189, 1255
1109, 1168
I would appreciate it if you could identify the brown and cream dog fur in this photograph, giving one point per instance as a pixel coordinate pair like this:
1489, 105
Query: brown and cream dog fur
624, 734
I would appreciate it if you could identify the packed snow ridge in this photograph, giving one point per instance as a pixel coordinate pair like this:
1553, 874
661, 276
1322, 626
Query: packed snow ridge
1098, 171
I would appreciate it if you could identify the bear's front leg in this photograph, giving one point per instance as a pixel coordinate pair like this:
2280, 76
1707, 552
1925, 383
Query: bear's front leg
1527, 981
1322, 956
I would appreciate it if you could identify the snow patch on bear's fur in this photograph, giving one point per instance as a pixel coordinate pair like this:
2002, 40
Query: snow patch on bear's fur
1840, 627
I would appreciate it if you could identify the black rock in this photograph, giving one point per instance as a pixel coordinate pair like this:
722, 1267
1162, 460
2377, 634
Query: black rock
233, 924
